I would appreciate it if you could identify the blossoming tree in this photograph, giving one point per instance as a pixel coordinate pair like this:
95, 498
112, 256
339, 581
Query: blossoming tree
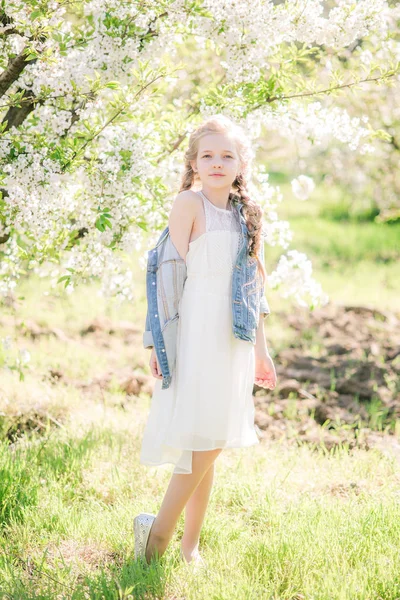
98, 97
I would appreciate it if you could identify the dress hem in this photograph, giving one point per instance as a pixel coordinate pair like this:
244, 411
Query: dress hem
150, 463
228, 445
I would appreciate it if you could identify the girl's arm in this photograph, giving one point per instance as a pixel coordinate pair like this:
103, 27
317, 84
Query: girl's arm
261, 349
181, 219
265, 373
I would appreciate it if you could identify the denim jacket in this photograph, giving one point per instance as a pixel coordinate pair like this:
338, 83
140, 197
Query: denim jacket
165, 280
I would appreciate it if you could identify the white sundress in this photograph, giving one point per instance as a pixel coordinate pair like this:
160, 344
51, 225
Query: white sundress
209, 403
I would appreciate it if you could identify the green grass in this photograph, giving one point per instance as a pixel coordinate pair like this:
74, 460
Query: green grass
355, 262
281, 523
285, 521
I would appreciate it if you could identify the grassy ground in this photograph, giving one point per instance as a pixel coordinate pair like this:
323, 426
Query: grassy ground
356, 261
283, 522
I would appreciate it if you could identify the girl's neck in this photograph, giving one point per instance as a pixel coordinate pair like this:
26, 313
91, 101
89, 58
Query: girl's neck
220, 198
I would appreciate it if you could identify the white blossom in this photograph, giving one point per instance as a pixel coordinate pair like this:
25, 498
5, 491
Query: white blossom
302, 187
130, 157
293, 278
24, 355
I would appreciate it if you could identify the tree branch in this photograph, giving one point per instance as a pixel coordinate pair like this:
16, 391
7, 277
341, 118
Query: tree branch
108, 122
14, 69
4, 21
17, 115
325, 91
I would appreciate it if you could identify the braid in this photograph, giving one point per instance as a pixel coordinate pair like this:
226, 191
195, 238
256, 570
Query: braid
187, 177
253, 216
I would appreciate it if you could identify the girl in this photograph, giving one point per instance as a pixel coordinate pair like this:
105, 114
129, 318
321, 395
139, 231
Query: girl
209, 404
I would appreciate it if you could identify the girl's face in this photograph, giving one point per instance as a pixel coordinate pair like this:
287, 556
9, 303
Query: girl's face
217, 154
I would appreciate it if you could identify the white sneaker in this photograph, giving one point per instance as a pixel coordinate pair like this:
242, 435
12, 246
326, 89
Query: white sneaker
142, 525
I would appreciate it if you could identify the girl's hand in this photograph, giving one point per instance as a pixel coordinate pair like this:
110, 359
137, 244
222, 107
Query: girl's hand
154, 366
265, 374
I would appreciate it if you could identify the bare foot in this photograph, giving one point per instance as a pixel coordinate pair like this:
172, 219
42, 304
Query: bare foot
192, 557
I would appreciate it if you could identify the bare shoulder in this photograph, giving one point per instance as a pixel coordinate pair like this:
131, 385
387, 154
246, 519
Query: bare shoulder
181, 219
187, 199
185, 207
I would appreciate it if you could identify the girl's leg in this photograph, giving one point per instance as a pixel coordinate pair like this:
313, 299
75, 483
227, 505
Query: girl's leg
180, 488
194, 514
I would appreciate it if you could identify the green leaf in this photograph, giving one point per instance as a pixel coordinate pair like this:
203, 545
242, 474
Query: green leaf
34, 14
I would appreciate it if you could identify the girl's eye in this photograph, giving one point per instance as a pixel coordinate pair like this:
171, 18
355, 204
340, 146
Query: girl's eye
210, 155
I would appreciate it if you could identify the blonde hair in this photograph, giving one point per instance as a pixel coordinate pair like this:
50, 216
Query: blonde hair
251, 210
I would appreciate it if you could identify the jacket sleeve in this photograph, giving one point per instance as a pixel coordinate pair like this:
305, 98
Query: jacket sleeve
147, 335
264, 306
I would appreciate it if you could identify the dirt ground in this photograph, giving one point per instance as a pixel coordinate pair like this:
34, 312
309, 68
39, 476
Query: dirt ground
338, 382
346, 389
